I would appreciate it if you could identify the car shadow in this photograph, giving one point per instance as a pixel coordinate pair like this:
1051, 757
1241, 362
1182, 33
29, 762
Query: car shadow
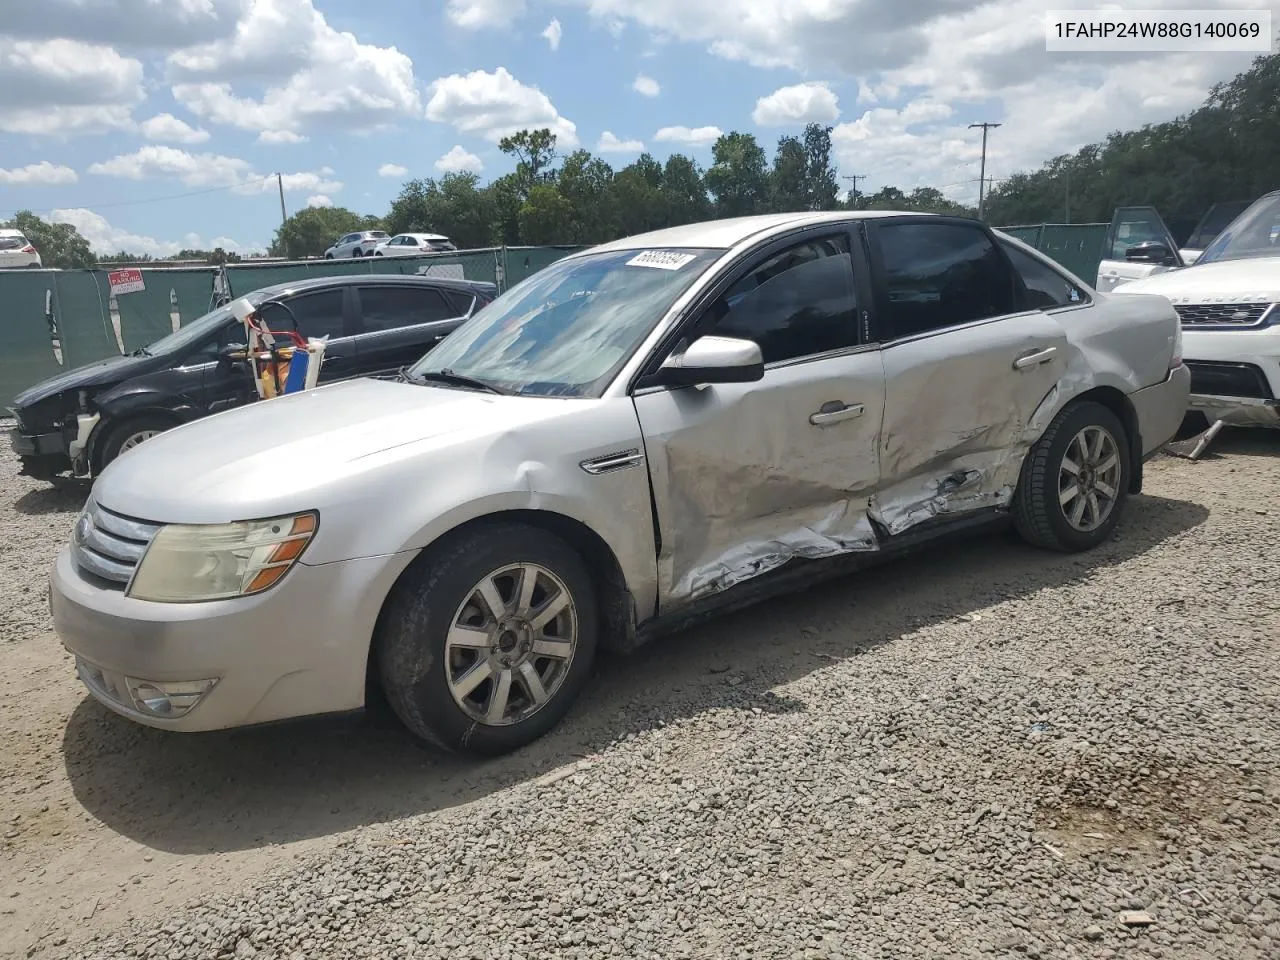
218, 792
66, 496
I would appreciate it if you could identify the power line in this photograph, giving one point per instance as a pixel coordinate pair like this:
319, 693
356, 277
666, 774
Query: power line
133, 203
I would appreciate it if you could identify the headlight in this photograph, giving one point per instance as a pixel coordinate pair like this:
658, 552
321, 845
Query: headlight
191, 562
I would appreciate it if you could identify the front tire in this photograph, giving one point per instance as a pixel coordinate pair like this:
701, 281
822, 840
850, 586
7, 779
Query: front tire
1075, 480
357, 252
488, 638
127, 434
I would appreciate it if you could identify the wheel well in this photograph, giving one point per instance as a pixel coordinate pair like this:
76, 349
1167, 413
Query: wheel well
105, 429
1120, 405
617, 627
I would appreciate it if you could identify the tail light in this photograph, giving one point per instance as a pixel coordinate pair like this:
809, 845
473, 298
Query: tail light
28, 249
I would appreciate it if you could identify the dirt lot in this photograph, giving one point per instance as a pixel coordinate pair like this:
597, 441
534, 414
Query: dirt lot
983, 751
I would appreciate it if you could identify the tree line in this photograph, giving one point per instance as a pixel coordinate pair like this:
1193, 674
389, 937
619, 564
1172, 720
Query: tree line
1224, 150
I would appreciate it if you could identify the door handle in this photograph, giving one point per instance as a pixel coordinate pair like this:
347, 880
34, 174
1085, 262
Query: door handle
1035, 358
834, 411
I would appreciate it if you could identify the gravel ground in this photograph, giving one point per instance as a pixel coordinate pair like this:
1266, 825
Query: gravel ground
985, 751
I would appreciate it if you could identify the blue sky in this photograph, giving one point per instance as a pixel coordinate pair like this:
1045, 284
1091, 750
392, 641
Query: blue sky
116, 111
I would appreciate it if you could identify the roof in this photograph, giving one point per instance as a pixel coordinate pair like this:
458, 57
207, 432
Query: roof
10, 232
365, 279
423, 236
723, 234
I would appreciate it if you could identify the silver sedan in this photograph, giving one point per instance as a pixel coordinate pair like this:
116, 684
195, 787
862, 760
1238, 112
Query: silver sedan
632, 437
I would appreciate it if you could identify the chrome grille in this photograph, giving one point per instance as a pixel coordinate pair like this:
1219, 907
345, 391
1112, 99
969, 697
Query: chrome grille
109, 545
1230, 314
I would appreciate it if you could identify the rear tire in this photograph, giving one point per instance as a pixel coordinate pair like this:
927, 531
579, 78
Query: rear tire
468, 678
127, 434
357, 253
328, 256
1075, 480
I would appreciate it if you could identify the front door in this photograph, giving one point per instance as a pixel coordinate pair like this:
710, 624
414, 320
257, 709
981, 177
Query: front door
324, 313
966, 366
1131, 226
747, 476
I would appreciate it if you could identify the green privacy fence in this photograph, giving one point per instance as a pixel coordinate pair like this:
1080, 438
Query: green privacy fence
57, 320
1077, 246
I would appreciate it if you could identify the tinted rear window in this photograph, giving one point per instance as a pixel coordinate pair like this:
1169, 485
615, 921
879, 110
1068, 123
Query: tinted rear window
12, 243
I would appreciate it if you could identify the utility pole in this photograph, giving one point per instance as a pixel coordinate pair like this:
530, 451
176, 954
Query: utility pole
982, 176
284, 217
855, 178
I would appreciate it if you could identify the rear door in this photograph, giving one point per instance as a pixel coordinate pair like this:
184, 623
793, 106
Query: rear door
967, 362
1129, 227
401, 322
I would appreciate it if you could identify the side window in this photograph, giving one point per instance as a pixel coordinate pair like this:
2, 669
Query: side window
386, 308
459, 302
230, 332
1046, 288
317, 314
941, 275
797, 303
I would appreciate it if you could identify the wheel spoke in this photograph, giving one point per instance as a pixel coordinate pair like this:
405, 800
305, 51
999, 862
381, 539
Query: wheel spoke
524, 590
1071, 466
1069, 494
1095, 512
1077, 514
1106, 489
469, 638
488, 591
1099, 438
498, 698
1109, 464
556, 649
532, 683
1082, 444
466, 684
550, 610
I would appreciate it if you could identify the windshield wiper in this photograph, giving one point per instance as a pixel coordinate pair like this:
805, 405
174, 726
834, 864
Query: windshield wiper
141, 352
458, 380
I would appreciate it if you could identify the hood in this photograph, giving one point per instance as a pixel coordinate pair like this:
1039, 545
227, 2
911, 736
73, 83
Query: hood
1253, 280
273, 455
109, 371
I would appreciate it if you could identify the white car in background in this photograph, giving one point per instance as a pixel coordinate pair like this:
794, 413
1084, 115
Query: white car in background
16, 250
362, 243
1227, 302
414, 245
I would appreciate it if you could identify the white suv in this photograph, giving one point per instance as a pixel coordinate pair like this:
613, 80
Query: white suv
16, 250
358, 244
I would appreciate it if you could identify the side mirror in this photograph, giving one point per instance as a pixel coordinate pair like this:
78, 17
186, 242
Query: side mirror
1151, 251
714, 360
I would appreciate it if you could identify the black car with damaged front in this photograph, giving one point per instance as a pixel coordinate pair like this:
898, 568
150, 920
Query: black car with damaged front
79, 421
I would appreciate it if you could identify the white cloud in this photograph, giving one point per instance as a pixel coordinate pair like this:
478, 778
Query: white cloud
165, 126
392, 170
495, 105
458, 160
65, 86
645, 86
104, 238
207, 170
134, 24
801, 103
44, 172
319, 77
319, 200
477, 14
695, 137
276, 137
609, 143
552, 34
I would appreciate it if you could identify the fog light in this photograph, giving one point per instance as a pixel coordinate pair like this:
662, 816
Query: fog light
168, 699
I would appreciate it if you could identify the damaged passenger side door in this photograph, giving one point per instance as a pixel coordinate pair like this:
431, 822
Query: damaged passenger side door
747, 476
967, 363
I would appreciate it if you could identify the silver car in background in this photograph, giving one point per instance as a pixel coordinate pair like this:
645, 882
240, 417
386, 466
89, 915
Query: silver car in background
633, 436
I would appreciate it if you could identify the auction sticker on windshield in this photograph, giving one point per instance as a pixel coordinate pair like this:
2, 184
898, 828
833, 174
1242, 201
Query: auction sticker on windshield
661, 259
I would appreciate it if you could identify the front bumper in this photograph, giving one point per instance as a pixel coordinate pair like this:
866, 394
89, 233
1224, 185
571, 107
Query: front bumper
298, 649
1161, 408
37, 444
1237, 411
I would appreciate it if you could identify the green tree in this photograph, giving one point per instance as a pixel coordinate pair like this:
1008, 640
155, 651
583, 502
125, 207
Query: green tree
455, 207
738, 178
546, 217
504, 200
684, 191
310, 231
59, 244
789, 188
639, 197
587, 183
535, 151
821, 187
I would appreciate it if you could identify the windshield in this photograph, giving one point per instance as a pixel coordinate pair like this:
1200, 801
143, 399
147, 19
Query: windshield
1255, 233
568, 329
189, 333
